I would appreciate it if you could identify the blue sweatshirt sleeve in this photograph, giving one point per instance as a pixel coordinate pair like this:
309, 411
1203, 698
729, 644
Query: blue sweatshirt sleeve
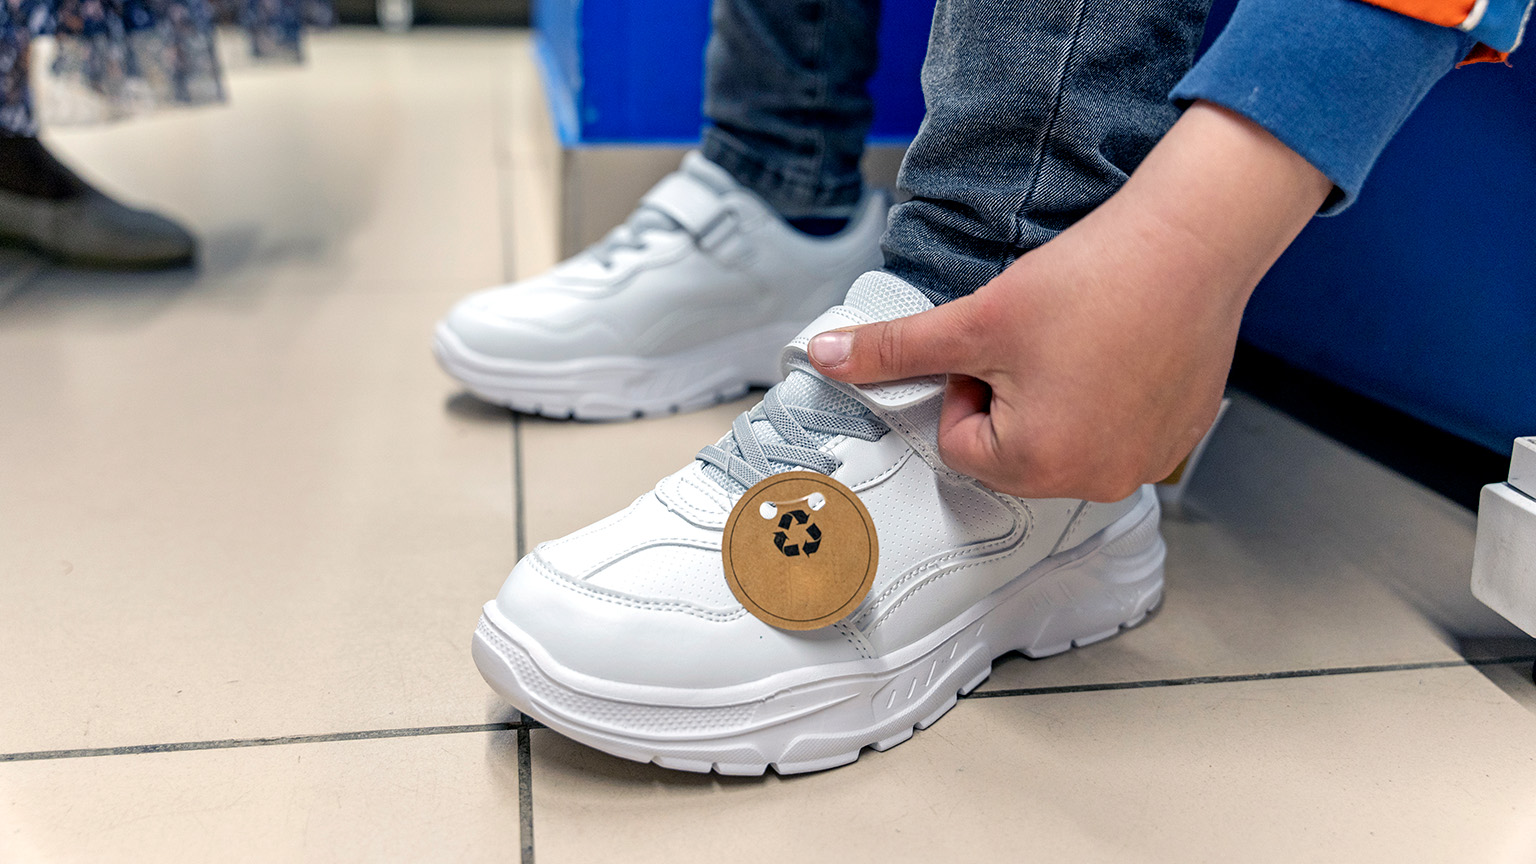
1332, 79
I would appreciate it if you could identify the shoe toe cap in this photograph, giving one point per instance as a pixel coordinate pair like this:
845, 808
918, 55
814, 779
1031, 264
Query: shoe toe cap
475, 326
524, 322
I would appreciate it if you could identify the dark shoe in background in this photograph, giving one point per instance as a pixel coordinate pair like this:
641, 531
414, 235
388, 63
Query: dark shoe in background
49, 209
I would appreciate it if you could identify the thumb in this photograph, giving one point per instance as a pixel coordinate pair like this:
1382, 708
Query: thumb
938, 341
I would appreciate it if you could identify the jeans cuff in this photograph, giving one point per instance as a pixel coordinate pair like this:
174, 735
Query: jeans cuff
791, 185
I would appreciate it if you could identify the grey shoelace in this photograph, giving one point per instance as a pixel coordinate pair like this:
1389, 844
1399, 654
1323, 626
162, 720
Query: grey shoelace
746, 460
631, 234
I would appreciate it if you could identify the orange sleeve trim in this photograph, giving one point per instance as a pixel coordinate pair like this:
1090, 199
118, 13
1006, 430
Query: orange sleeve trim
1446, 13
1481, 53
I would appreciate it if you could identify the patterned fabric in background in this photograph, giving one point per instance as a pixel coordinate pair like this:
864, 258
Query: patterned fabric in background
114, 58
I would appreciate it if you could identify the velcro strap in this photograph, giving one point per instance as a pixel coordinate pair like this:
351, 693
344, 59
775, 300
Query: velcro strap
891, 395
688, 202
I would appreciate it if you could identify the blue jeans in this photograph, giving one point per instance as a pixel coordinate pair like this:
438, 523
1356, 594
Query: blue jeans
1037, 113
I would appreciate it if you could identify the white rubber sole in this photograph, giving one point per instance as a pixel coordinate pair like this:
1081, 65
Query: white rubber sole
831, 713
617, 387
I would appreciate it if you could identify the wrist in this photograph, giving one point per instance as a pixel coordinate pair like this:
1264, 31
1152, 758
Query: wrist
1222, 197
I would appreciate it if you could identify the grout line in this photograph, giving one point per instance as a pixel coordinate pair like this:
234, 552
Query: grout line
1255, 676
525, 792
520, 511
509, 273
520, 518
526, 724
233, 743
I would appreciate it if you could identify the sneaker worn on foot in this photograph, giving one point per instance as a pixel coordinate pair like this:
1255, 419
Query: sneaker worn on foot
626, 637
684, 305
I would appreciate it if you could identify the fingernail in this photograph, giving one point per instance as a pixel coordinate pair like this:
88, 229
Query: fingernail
832, 347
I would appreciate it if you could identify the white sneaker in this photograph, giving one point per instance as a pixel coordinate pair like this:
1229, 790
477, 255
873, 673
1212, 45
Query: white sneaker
626, 637
684, 305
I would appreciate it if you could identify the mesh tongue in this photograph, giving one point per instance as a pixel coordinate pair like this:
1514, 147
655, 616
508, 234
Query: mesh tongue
883, 297
880, 296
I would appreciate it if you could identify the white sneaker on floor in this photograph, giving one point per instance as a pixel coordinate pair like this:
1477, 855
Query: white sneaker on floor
626, 637
684, 305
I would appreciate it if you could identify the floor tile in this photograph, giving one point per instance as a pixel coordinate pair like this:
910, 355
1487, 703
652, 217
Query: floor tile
1295, 553
1288, 478
374, 161
451, 798
1427, 766
236, 516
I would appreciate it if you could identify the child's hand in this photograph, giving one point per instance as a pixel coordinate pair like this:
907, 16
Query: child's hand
1096, 362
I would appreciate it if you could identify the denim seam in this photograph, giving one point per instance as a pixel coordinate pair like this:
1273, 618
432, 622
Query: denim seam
1057, 97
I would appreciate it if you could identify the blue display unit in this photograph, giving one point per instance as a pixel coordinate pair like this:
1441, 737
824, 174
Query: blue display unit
1422, 295
631, 72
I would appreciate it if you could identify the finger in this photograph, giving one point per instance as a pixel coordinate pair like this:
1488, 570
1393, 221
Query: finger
943, 339
967, 439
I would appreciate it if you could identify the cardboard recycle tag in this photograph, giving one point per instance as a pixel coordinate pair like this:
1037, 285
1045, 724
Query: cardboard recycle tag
800, 550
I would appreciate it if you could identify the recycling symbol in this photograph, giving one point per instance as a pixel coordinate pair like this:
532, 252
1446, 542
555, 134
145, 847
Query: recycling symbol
781, 536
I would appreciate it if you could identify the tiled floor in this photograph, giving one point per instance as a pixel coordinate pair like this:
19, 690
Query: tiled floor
245, 526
